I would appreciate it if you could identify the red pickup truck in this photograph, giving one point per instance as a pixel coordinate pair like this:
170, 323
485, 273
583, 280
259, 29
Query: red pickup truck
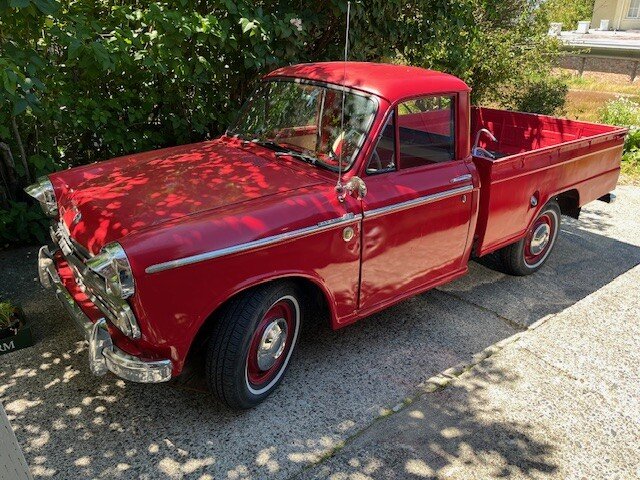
224, 247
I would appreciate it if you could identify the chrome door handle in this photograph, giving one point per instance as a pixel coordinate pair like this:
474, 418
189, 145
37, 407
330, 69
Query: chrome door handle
462, 178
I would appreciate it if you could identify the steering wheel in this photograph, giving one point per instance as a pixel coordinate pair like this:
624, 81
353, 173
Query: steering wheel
341, 142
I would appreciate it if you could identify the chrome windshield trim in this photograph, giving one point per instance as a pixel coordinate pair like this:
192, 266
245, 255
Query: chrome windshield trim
263, 242
418, 201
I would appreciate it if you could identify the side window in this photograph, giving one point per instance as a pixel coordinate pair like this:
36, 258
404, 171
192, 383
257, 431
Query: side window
426, 127
383, 158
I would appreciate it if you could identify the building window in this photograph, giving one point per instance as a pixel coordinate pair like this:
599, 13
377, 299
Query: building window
634, 9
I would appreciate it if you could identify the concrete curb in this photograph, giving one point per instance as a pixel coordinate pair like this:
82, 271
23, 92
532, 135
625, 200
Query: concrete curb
444, 378
433, 384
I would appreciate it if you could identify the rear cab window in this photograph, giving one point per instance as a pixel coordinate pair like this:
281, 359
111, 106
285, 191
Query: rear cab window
426, 135
426, 129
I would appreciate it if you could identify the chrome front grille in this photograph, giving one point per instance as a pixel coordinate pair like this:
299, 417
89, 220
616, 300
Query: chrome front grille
117, 310
60, 235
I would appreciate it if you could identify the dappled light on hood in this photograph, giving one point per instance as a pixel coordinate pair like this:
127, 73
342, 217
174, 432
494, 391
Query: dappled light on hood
105, 201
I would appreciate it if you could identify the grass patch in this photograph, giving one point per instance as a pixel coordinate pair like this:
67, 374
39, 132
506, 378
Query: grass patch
588, 95
595, 85
587, 105
591, 99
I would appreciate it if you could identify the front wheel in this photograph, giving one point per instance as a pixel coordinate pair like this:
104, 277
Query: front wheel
252, 343
530, 253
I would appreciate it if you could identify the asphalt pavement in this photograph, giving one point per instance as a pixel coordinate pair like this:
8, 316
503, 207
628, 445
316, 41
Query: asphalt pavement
558, 401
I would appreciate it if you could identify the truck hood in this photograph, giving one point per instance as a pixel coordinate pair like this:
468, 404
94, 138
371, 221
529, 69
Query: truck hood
103, 202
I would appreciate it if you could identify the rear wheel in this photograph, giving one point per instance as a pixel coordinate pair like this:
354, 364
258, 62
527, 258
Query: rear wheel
530, 253
252, 343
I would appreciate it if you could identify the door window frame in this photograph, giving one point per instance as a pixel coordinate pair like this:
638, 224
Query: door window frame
393, 116
393, 109
454, 130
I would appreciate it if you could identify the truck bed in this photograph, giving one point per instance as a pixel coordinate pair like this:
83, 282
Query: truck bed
541, 156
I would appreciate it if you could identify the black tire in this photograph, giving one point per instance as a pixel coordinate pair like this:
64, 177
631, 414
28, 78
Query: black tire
519, 258
230, 373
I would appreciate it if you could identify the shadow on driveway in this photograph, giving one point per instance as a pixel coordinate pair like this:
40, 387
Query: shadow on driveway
72, 424
438, 434
581, 263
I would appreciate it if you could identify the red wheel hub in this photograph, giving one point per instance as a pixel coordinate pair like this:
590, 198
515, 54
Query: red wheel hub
539, 239
271, 343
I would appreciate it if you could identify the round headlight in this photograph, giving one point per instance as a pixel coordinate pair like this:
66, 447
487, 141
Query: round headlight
113, 265
42, 191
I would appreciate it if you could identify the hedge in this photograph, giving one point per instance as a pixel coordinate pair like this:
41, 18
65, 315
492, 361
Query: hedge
82, 81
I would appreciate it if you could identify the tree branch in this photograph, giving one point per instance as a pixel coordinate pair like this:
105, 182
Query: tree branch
7, 168
23, 155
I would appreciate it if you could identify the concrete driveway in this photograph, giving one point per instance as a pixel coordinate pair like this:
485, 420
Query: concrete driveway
72, 424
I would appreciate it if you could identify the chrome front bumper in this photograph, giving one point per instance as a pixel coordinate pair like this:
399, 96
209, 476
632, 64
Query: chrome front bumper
103, 354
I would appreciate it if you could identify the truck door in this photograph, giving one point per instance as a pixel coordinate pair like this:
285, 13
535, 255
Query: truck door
418, 207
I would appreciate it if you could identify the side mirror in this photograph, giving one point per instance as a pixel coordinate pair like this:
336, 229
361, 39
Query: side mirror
354, 187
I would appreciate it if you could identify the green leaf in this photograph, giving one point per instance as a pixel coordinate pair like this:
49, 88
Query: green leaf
20, 107
9, 80
247, 24
231, 6
46, 6
38, 84
74, 48
19, 3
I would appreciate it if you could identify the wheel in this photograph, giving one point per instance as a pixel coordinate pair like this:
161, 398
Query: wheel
252, 343
530, 253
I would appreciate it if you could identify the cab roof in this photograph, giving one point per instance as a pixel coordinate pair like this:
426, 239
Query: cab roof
393, 82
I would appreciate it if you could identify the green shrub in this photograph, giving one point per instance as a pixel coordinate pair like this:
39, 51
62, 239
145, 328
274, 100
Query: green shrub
86, 80
546, 96
567, 13
626, 113
621, 111
22, 223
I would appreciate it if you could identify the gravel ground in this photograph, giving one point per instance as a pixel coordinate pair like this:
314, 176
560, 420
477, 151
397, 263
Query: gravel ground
72, 424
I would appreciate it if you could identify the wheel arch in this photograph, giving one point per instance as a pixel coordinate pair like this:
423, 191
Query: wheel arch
315, 295
569, 202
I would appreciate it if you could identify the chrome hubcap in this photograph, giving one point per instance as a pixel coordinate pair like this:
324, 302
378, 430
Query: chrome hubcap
540, 239
272, 343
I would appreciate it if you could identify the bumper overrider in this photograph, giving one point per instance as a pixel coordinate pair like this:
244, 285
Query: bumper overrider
103, 354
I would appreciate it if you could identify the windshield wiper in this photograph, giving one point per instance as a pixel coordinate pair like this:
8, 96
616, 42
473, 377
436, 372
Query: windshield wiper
268, 143
299, 155
282, 151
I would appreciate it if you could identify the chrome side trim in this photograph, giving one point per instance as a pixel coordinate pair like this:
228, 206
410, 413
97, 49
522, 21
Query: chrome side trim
263, 242
418, 201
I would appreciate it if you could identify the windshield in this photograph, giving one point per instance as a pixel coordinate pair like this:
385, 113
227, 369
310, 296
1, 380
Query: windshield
303, 120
